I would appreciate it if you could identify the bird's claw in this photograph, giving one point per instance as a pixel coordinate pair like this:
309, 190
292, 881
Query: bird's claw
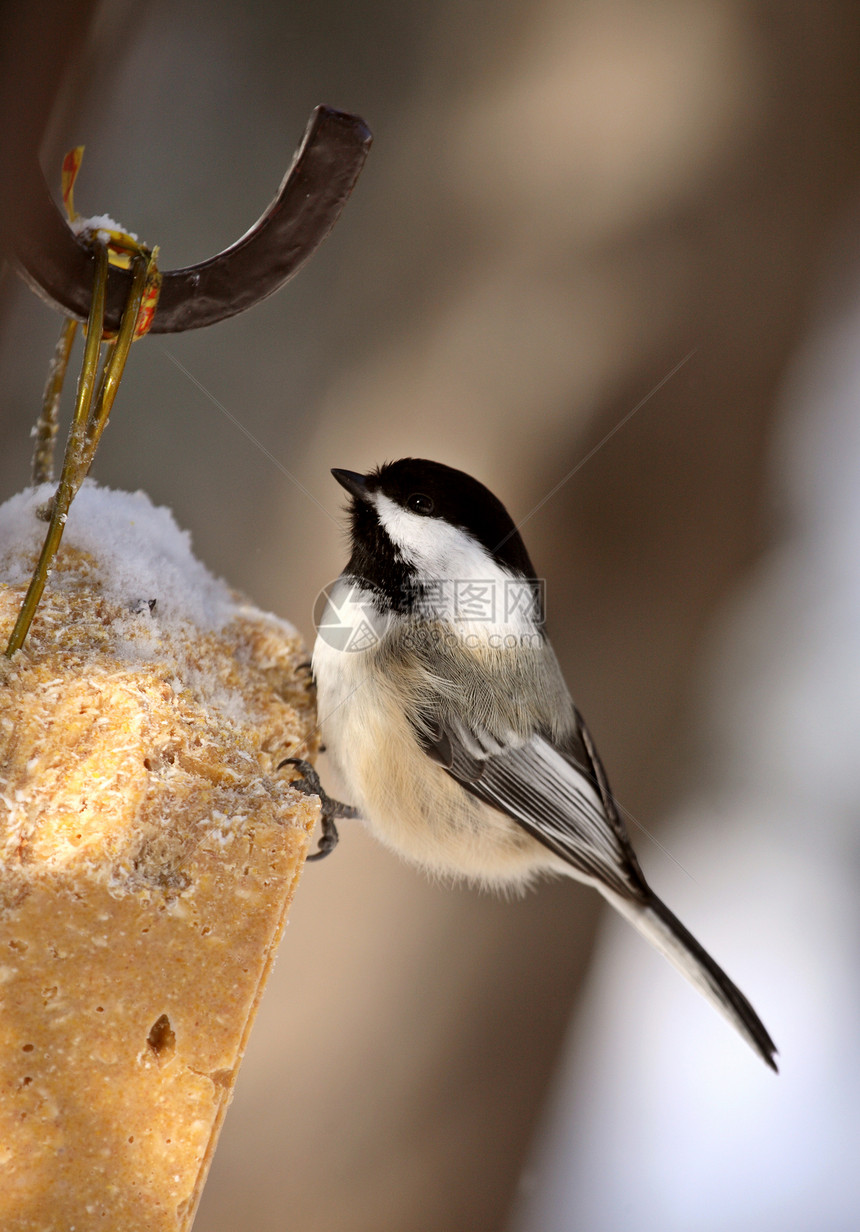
309, 783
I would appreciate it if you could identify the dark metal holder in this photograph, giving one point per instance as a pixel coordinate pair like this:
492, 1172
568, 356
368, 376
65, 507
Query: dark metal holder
59, 266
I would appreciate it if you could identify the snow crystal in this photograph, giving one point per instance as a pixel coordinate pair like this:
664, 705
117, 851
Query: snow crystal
100, 225
141, 553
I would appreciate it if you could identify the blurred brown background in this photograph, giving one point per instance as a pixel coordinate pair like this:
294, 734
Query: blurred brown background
564, 201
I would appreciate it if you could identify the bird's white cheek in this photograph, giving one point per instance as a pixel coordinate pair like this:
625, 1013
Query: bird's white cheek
462, 584
435, 548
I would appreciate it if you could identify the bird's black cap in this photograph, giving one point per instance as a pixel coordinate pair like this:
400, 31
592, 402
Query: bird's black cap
450, 495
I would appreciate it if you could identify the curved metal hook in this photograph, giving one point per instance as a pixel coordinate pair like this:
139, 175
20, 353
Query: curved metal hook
59, 267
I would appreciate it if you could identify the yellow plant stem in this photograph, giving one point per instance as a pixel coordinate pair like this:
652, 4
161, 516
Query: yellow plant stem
115, 363
88, 423
48, 421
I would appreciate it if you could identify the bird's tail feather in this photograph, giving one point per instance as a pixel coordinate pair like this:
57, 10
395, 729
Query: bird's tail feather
667, 934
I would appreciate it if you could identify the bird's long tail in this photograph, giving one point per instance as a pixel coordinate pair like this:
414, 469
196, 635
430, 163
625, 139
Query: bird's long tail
667, 934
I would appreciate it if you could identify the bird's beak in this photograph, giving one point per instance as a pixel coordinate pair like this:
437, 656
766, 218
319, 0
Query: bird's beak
354, 483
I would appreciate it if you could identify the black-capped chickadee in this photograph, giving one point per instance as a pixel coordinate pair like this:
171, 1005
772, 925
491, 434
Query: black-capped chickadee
444, 708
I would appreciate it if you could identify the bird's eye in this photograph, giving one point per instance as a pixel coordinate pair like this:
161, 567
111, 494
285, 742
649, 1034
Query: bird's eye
419, 503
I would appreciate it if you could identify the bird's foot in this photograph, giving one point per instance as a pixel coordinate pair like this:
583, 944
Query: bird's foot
309, 783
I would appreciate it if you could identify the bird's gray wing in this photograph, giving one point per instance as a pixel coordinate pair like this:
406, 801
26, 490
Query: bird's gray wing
558, 792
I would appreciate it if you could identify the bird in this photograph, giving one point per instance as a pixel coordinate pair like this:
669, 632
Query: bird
445, 712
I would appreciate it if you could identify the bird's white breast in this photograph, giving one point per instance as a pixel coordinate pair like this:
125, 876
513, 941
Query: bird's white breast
411, 802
